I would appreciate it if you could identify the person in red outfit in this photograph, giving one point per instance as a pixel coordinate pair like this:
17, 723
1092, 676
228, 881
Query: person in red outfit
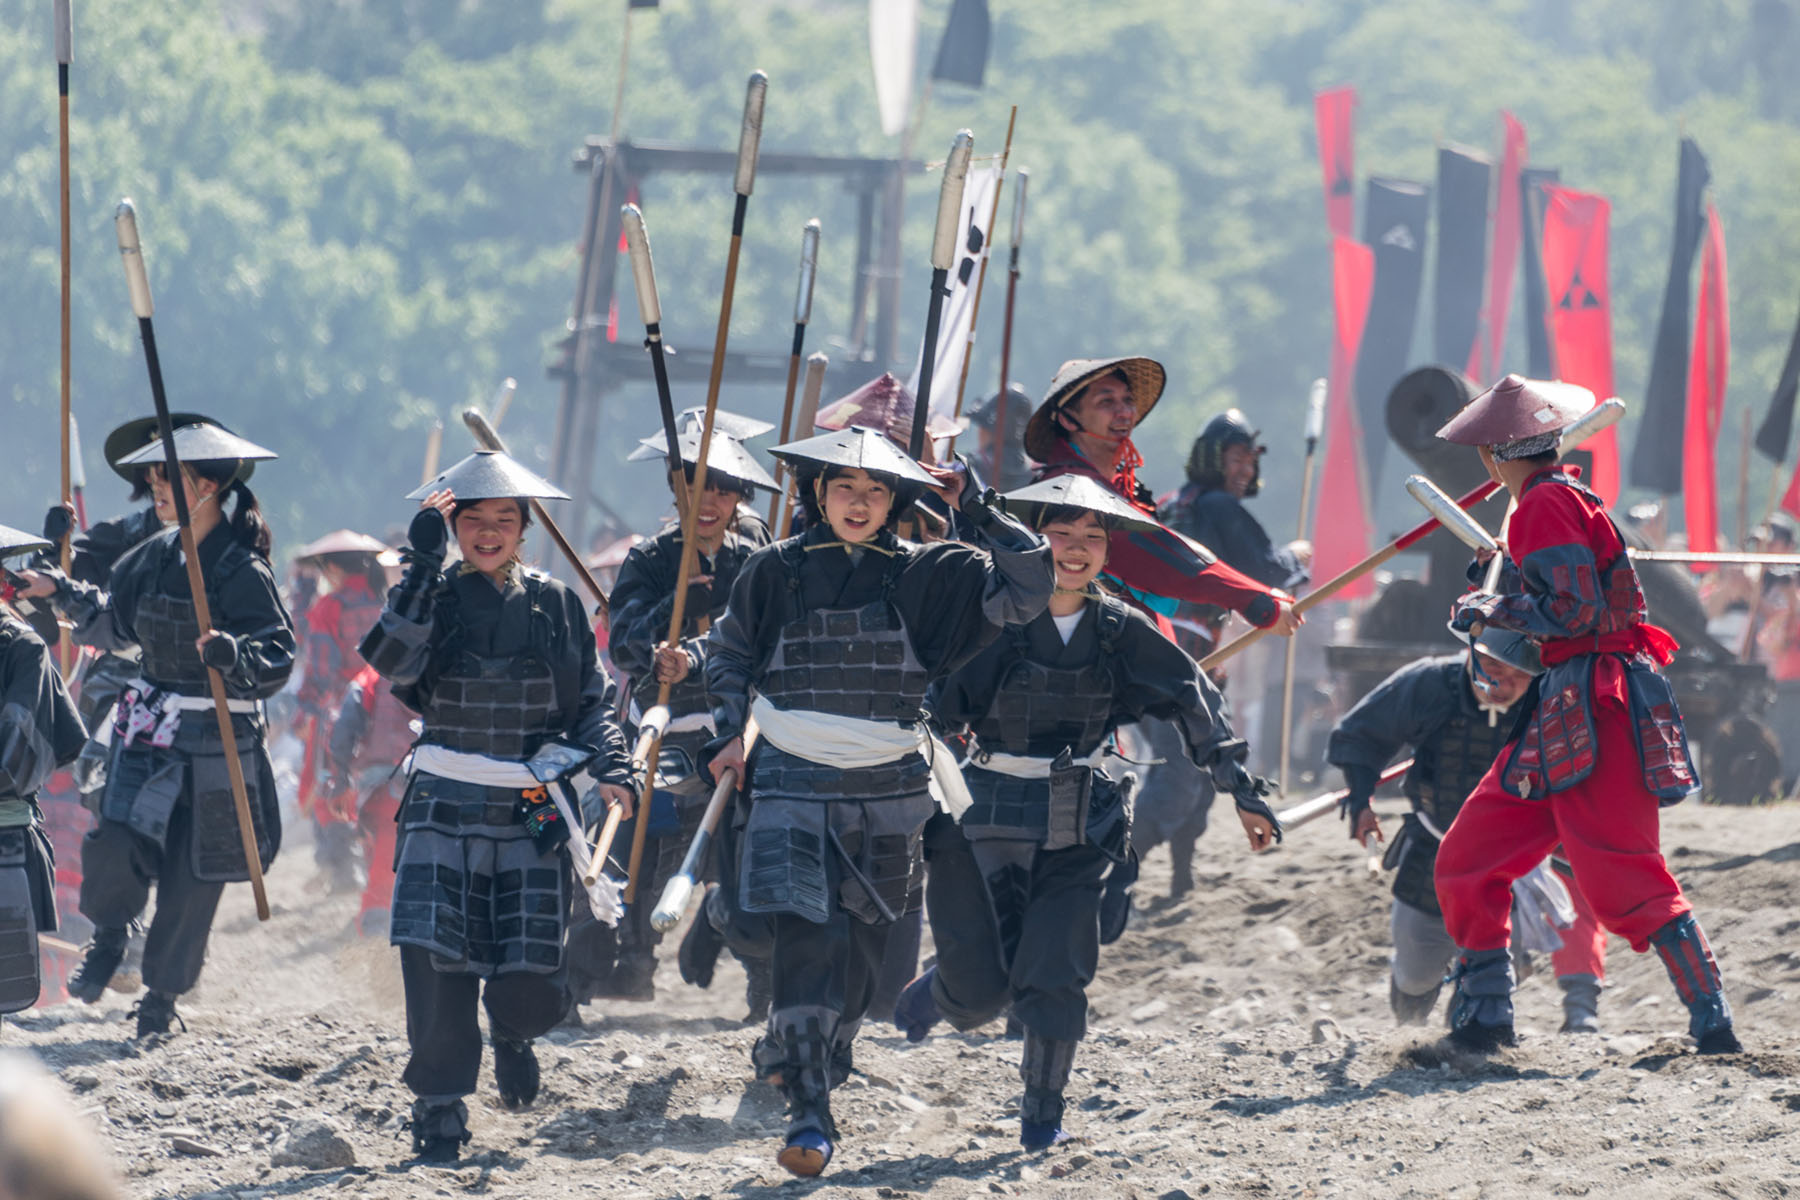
348, 563
369, 736
1602, 748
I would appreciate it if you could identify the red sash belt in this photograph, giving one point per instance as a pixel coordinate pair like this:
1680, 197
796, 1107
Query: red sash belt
1642, 638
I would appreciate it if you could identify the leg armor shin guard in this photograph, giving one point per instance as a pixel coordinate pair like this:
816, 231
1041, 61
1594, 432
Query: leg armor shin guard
1481, 1010
1689, 959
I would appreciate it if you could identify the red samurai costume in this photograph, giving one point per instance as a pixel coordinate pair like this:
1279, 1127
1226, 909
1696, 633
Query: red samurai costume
335, 623
1602, 748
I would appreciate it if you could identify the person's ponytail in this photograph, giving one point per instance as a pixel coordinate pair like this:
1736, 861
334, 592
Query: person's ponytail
247, 524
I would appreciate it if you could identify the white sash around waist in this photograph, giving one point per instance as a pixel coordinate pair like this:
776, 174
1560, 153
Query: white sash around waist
833, 740
471, 768
1025, 766
605, 895
144, 687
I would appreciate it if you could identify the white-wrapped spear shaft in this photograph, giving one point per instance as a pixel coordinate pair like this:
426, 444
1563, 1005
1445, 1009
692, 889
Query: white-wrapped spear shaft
643, 277
809, 409
65, 54
488, 438
1002, 451
943, 257
138, 281
1315, 428
749, 140
1318, 806
680, 888
1449, 514
803, 297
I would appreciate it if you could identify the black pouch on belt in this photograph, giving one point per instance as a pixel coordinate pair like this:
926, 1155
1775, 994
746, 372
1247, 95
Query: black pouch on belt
541, 818
1071, 787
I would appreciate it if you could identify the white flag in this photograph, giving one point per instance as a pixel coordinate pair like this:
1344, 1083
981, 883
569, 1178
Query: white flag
893, 50
959, 307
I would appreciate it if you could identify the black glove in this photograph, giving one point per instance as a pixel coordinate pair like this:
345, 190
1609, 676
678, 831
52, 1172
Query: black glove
58, 523
1360, 782
429, 533
1249, 793
220, 652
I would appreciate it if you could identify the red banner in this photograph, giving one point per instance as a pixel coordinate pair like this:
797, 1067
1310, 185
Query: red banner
1575, 237
1790, 500
1342, 529
1709, 368
1334, 113
1503, 259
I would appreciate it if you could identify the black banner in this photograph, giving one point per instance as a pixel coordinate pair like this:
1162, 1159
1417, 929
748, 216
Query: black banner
1395, 218
1540, 362
1778, 425
1465, 178
1656, 458
962, 55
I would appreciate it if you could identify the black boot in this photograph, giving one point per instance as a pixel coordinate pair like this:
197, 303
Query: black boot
1689, 959
1581, 1003
439, 1131
1409, 1009
700, 946
633, 976
103, 956
807, 1039
1481, 1010
155, 1011
1044, 1068
515, 1072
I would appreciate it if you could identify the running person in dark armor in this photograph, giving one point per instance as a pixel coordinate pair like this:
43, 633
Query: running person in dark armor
837, 633
370, 735
1224, 468
349, 567
167, 816
642, 601
1601, 747
499, 661
39, 732
1046, 820
100, 675
1454, 712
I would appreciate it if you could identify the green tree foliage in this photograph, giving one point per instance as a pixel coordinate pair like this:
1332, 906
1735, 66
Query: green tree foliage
360, 215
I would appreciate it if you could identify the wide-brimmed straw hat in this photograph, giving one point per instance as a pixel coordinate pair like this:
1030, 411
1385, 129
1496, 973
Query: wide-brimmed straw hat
490, 475
1515, 409
1145, 377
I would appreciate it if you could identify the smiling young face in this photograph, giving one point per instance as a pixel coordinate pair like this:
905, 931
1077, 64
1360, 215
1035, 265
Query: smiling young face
1078, 544
712, 516
856, 504
488, 533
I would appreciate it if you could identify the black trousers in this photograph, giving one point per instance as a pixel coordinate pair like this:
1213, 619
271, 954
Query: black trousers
1048, 904
118, 866
444, 1030
831, 966
971, 983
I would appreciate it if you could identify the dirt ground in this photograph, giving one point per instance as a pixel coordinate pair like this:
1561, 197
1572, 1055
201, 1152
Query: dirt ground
1241, 1046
